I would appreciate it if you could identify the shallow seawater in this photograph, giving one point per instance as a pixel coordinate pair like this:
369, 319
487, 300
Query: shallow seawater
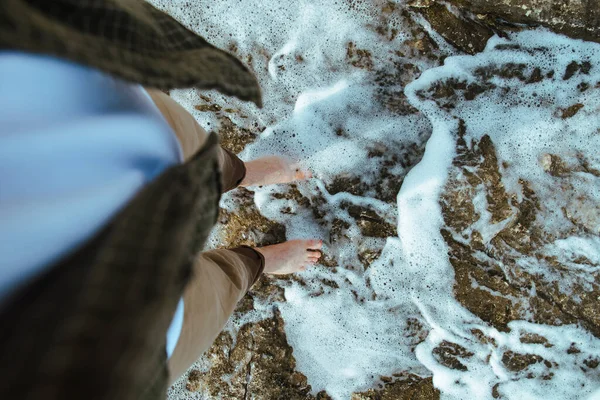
323, 107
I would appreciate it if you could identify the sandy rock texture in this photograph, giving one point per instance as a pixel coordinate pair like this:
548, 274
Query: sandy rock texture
255, 360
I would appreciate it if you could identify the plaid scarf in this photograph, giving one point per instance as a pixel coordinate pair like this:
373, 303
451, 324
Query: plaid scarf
129, 39
94, 325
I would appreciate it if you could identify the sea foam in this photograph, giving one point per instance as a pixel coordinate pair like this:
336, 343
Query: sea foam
346, 338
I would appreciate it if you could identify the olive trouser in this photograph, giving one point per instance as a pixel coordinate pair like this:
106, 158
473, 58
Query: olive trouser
220, 277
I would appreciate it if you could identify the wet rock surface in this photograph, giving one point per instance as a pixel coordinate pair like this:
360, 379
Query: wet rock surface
494, 298
502, 252
467, 35
468, 24
402, 387
576, 18
255, 361
478, 171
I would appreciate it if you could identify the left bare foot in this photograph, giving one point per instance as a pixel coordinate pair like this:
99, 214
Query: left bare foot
272, 170
292, 256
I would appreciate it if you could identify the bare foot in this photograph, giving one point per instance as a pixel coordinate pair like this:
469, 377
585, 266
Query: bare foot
290, 257
272, 170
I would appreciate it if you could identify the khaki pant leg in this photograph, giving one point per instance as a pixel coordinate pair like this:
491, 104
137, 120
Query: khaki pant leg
191, 136
233, 170
221, 278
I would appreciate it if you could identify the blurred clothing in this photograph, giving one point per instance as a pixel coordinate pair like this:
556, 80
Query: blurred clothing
94, 322
192, 137
220, 280
103, 212
92, 316
128, 39
75, 146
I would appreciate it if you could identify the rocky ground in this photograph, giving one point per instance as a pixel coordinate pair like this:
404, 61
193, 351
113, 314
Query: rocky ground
252, 358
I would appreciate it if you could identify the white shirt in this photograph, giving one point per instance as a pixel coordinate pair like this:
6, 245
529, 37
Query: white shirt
75, 146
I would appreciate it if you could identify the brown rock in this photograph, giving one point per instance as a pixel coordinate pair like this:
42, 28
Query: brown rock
518, 362
494, 302
466, 35
194, 381
554, 165
208, 107
592, 363
233, 137
247, 226
450, 355
368, 256
360, 58
533, 338
260, 363
404, 387
575, 18
570, 112
370, 223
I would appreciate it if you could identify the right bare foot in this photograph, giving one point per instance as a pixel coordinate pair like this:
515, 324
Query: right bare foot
272, 170
292, 256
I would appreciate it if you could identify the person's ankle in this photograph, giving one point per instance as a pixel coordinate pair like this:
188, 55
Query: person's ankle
248, 178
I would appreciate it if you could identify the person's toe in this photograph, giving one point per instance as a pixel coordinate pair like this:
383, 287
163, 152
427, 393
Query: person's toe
301, 174
314, 244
